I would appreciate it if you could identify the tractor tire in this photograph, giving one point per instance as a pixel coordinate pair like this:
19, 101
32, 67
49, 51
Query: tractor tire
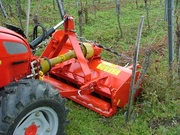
31, 107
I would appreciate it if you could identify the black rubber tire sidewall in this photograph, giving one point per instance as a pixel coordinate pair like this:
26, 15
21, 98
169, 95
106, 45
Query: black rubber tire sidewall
32, 94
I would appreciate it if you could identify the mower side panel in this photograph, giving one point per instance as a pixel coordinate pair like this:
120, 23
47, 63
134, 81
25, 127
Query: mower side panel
112, 84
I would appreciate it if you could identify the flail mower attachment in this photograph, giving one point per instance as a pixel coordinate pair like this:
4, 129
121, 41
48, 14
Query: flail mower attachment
77, 70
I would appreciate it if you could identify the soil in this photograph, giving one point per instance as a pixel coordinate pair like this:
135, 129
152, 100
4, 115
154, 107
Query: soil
166, 122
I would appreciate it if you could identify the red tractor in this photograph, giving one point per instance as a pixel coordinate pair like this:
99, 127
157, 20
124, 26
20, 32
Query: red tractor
31, 88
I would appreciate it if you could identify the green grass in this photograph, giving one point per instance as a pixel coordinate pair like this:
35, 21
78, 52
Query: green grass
160, 101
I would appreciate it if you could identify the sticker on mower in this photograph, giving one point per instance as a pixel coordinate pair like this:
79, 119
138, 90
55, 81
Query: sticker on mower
109, 68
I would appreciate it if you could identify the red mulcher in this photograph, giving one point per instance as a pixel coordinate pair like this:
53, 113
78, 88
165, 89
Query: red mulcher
31, 106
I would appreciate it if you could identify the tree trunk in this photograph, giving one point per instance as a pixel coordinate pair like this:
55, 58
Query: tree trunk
137, 4
3, 10
20, 12
86, 12
27, 17
94, 7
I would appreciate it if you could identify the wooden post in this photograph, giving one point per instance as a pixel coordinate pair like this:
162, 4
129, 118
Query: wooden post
94, 7
147, 12
80, 19
118, 17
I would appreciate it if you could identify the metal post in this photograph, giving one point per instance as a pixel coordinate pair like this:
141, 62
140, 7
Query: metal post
170, 31
178, 48
132, 89
165, 10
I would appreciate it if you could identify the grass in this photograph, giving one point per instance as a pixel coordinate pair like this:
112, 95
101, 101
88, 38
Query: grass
157, 112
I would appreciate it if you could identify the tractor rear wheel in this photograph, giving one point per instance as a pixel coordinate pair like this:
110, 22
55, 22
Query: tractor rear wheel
31, 107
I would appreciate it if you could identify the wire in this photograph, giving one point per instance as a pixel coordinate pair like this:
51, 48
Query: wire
35, 31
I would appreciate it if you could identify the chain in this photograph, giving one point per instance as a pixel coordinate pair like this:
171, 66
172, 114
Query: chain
113, 51
105, 48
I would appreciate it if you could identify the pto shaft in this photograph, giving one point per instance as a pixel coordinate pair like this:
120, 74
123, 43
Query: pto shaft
46, 64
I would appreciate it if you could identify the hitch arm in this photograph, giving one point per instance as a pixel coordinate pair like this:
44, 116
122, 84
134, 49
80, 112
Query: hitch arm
39, 39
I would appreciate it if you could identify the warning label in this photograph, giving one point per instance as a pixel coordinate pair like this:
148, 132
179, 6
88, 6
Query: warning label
109, 68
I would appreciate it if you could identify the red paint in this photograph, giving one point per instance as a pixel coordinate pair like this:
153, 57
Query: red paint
31, 130
13, 66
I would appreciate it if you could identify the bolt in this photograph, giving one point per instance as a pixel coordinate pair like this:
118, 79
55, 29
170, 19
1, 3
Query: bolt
48, 130
37, 114
33, 122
